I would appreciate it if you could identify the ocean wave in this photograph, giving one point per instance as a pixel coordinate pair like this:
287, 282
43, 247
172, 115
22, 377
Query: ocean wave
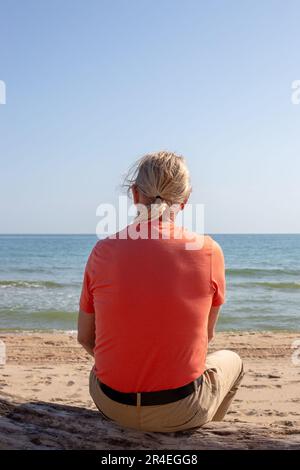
270, 285
32, 284
254, 272
38, 315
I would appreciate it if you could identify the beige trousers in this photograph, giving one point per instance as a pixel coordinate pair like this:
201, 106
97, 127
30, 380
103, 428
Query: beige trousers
210, 402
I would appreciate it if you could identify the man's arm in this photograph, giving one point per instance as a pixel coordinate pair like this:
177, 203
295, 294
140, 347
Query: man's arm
212, 321
86, 331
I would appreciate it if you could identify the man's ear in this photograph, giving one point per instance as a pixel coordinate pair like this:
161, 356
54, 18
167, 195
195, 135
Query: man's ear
182, 205
135, 194
185, 201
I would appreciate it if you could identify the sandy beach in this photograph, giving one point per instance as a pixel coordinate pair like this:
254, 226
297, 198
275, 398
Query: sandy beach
45, 404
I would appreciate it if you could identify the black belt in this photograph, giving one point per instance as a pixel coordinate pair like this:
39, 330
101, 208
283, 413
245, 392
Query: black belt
160, 397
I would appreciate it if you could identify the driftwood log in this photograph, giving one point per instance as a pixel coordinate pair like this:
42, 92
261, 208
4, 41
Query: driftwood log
39, 425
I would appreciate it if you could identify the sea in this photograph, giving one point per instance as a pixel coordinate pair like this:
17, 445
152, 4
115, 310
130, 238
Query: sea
41, 275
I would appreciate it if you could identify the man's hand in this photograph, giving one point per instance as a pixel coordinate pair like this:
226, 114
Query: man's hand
211, 337
86, 331
212, 321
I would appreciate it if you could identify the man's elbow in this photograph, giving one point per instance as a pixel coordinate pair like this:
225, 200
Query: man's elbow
83, 340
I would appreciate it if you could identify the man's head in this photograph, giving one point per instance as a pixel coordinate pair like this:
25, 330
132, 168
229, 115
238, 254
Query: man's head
159, 181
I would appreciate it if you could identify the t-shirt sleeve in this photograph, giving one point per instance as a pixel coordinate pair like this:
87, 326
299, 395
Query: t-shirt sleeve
218, 275
86, 303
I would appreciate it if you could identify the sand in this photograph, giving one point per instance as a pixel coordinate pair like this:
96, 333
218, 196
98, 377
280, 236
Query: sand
45, 404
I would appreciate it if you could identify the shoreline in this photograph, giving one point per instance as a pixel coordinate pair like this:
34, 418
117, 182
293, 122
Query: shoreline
5, 331
44, 388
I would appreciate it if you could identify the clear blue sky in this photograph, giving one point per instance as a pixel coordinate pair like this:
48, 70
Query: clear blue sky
92, 85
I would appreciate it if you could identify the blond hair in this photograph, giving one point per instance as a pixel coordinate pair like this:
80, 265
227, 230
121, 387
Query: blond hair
163, 178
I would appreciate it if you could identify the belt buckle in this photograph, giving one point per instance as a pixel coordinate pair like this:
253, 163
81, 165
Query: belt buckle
138, 399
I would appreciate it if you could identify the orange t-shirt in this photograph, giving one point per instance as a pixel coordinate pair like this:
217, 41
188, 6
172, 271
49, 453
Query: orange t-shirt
151, 298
